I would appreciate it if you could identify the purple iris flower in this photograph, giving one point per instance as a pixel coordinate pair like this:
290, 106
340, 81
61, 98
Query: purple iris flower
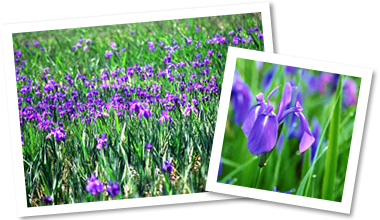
88, 41
188, 40
236, 39
167, 166
148, 146
132, 32
165, 117
287, 192
144, 111
209, 52
188, 25
101, 141
47, 199
328, 82
151, 46
22, 140
124, 49
36, 44
349, 93
113, 189
59, 134
260, 36
85, 48
219, 55
241, 98
231, 33
108, 54
189, 108
256, 29
18, 53
295, 129
261, 123
267, 79
74, 47
113, 44
196, 29
291, 69
42, 48
239, 28
27, 44
94, 186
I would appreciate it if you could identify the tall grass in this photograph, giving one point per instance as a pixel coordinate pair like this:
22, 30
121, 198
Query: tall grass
58, 168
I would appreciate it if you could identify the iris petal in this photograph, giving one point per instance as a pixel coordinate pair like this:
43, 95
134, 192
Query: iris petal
307, 137
263, 135
251, 118
285, 100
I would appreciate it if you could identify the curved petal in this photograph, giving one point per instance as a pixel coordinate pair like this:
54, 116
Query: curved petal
285, 100
306, 141
307, 137
251, 118
263, 135
304, 123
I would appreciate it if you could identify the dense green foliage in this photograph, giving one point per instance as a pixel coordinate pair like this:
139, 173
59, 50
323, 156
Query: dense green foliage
58, 168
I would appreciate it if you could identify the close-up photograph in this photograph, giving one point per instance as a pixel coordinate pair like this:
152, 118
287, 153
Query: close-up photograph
285, 130
281, 123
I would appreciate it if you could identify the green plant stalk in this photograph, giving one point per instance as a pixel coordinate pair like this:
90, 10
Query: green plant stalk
333, 148
306, 163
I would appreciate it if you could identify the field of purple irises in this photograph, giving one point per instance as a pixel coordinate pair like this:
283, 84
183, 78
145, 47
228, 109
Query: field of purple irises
289, 130
123, 111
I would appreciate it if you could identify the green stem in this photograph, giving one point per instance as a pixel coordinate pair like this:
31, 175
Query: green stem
258, 176
333, 148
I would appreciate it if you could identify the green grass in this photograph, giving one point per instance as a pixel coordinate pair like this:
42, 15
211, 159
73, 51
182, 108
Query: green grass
59, 168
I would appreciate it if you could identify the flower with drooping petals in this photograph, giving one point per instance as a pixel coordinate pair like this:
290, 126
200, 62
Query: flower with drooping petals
94, 186
108, 54
165, 117
167, 167
102, 141
261, 123
113, 189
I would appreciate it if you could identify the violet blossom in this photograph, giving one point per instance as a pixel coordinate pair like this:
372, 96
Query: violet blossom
261, 124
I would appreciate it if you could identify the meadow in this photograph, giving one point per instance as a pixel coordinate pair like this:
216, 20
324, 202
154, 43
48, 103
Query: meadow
123, 111
289, 130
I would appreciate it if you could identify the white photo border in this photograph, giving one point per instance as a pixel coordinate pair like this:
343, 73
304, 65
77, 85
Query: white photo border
14, 125
345, 205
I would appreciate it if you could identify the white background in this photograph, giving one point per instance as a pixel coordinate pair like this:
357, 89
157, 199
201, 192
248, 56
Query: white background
346, 32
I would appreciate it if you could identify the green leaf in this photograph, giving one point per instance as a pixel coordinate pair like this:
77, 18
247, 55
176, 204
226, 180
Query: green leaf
333, 145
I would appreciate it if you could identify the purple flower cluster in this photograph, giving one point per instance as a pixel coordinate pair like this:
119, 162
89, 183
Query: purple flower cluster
94, 186
80, 43
50, 99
